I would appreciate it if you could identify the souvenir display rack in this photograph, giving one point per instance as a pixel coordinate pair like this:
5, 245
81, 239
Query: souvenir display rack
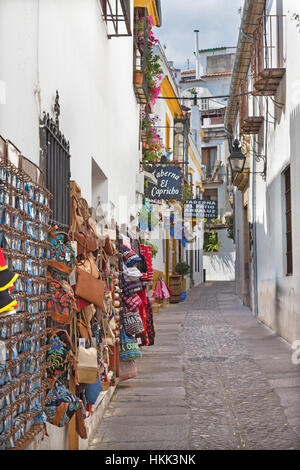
24, 214
27, 244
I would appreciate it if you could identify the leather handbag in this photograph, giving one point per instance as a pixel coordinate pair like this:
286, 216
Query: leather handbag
87, 365
89, 265
86, 240
87, 368
89, 288
80, 424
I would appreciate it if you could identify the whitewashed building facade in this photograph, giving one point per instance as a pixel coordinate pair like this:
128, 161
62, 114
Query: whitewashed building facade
267, 124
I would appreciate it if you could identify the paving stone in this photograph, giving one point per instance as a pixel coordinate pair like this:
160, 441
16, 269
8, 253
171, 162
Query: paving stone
152, 420
116, 432
155, 445
215, 379
146, 411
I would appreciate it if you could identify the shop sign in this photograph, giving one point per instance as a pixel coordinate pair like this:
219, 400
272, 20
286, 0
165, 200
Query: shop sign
200, 209
168, 186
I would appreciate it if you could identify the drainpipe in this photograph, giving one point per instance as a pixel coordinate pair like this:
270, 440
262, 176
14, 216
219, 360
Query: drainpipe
255, 291
196, 31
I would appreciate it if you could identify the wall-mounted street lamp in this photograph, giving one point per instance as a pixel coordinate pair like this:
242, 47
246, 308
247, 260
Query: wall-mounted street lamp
237, 159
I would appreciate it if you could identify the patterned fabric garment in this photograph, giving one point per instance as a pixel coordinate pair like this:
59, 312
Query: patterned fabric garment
132, 302
129, 348
147, 337
132, 322
61, 405
132, 287
61, 249
130, 257
62, 302
143, 314
147, 252
60, 354
150, 324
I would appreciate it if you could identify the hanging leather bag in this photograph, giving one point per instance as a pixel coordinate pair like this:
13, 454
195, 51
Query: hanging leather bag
86, 240
108, 246
89, 288
89, 264
87, 363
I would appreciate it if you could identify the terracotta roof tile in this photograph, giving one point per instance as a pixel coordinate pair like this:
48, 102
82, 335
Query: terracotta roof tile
216, 74
188, 72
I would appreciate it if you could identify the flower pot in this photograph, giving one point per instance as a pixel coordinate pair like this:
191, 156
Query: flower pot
138, 77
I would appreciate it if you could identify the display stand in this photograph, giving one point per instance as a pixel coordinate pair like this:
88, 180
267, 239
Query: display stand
24, 206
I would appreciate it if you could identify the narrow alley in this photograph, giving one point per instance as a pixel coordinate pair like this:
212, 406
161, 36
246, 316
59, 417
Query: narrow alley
216, 378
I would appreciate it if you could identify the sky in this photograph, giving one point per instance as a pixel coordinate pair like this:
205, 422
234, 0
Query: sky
218, 23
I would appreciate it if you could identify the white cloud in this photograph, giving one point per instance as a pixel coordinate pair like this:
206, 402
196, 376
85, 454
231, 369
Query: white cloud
217, 21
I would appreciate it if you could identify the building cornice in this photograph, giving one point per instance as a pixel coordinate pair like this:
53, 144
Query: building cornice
167, 90
151, 6
252, 11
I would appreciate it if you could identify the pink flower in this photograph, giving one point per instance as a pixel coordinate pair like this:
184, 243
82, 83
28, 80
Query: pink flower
150, 20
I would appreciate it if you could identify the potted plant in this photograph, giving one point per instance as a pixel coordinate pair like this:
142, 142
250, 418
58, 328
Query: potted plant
183, 269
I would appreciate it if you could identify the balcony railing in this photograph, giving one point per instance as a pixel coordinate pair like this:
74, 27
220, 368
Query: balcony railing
116, 15
212, 173
140, 53
268, 52
250, 120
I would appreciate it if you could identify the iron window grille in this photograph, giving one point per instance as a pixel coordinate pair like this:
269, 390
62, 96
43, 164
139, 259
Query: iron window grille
116, 15
55, 162
288, 222
141, 51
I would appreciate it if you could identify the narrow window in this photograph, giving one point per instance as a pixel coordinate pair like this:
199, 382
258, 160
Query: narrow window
288, 222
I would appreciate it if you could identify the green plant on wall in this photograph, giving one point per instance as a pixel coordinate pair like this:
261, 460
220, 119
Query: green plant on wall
211, 242
187, 192
230, 232
296, 17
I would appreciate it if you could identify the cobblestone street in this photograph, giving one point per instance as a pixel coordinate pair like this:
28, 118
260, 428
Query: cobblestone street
216, 378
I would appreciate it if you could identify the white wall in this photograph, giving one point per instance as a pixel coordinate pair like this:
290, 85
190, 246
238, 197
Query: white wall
220, 266
58, 46
278, 294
